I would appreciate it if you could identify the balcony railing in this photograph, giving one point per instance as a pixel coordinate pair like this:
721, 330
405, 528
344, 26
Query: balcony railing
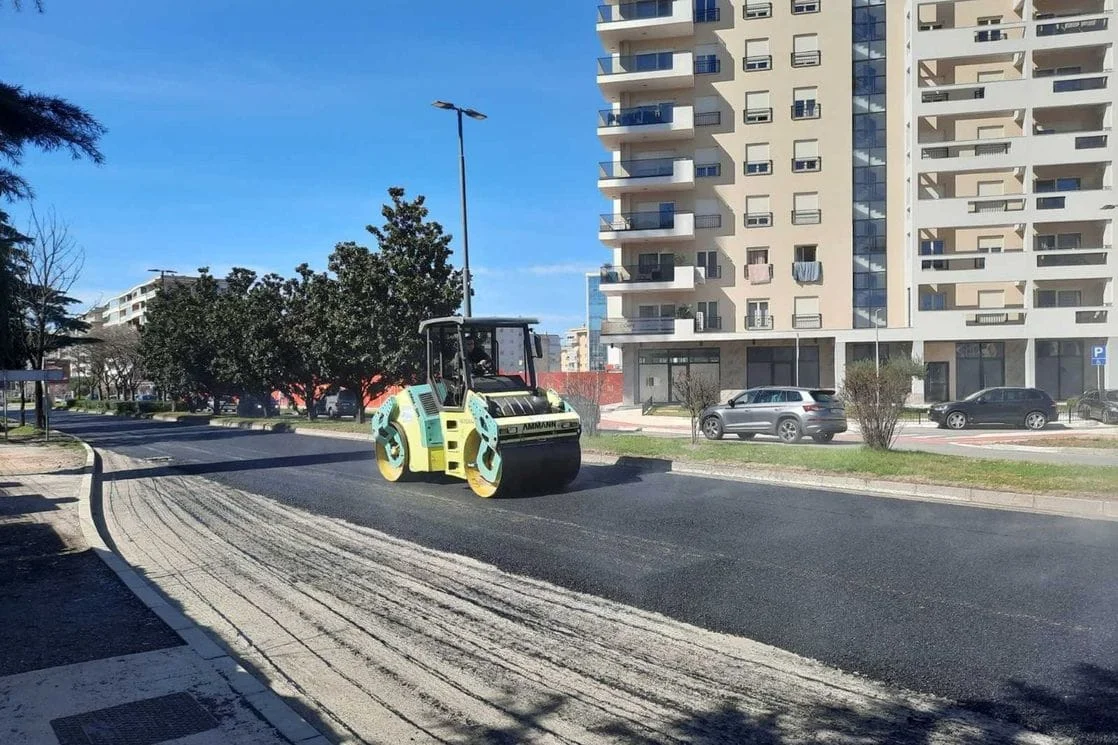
810, 321
996, 319
663, 325
1051, 203
708, 15
637, 168
806, 59
637, 116
758, 116
947, 265
992, 34
758, 167
807, 217
708, 65
650, 62
1079, 84
808, 164
806, 110
758, 62
1091, 316
708, 170
708, 118
638, 273
978, 149
804, 6
1071, 27
638, 221
758, 219
959, 94
755, 321
709, 323
980, 206
755, 10
712, 272
1090, 142
635, 11
708, 221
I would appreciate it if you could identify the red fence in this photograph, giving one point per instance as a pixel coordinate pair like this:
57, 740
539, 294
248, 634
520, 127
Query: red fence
611, 389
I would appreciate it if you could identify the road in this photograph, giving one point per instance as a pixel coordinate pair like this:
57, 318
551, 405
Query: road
1007, 613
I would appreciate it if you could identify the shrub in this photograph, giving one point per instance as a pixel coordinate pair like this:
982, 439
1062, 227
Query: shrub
876, 398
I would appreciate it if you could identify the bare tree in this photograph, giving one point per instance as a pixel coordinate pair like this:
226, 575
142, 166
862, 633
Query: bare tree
52, 263
876, 394
123, 363
585, 391
695, 392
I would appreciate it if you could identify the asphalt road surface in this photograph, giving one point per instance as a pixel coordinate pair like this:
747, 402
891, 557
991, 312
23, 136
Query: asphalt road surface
1007, 613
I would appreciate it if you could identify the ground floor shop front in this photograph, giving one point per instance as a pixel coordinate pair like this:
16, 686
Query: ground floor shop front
954, 369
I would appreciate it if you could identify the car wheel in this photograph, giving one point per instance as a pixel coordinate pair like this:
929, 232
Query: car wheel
956, 420
746, 435
712, 428
1036, 420
788, 430
1110, 417
823, 437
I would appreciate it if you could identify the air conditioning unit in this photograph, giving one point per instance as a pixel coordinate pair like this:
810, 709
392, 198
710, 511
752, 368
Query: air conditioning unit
700, 323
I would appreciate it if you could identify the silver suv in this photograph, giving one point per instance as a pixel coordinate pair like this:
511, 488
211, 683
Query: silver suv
788, 413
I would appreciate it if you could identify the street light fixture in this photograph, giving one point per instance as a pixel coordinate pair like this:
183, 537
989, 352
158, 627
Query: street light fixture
473, 114
162, 277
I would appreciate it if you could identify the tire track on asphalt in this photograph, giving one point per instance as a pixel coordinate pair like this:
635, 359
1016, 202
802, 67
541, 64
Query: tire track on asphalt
331, 665
586, 645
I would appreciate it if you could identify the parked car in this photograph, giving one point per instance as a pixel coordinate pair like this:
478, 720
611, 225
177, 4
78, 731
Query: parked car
338, 404
226, 405
250, 405
1030, 408
1100, 405
788, 413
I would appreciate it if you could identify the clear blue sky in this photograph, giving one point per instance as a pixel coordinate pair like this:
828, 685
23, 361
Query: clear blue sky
259, 133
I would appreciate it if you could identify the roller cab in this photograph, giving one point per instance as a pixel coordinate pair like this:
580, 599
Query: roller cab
480, 416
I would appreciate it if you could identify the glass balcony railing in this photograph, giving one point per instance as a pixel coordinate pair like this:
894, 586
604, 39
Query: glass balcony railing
637, 116
638, 168
626, 221
640, 273
1072, 27
634, 11
650, 62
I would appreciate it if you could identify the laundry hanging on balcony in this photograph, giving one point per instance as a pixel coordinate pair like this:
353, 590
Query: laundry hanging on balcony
760, 273
807, 271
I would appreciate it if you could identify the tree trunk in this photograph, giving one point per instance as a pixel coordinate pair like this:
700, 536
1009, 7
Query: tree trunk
40, 414
22, 404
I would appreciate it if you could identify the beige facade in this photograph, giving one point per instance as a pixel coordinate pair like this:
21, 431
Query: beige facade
575, 353
767, 207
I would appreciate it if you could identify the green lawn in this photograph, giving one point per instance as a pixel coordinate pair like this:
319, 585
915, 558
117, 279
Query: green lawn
931, 468
32, 435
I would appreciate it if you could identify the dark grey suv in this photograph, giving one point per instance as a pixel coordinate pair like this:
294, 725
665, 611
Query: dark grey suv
788, 413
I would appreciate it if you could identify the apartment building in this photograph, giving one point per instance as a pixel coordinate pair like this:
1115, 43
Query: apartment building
575, 353
781, 172
130, 307
510, 349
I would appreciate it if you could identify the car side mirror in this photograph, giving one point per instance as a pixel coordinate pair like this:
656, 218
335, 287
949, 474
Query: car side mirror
981, 400
732, 403
537, 346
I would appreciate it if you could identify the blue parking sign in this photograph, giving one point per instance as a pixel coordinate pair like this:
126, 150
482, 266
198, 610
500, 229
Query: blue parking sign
1098, 355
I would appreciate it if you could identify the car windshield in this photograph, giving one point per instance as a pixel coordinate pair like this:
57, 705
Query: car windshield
346, 397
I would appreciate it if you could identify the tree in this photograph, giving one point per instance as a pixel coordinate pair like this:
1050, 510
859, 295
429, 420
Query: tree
50, 266
876, 397
47, 123
585, 391
13, 256
695, 392
306, 304
419, 283
119, 359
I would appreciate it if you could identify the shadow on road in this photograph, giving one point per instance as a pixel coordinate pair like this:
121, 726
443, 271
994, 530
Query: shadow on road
248, 464
26, 504
1087, 714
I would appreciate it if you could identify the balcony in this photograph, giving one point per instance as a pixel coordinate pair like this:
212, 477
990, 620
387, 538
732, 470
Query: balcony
806, 110
617, 177
1069, 321
628, 326
663, 121
996, 318
708, 222
1039, 149
807, 217
642, 227
643, 20
645, 72
970, 211
759, 322
704, 323
811, 164
971, 266
1071, 30
809, 321
661, 278
970, 41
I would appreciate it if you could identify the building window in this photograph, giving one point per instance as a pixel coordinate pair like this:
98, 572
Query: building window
1059, 298
706, 315
805, 103
755, 9
757, 255
978, 365
757, 55
800, 7
806, 253
757, 315
757, 159
933, 301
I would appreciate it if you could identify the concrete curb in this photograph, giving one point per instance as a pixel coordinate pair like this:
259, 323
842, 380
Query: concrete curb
1089, 508
266, 703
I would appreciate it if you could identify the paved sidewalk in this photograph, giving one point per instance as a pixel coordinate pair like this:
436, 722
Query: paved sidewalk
82, 660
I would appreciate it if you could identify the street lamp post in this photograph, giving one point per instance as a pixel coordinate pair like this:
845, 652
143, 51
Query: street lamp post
462, 178
163, 277
877, 355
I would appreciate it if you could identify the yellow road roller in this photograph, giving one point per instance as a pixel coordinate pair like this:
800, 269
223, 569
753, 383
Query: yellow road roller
481, 415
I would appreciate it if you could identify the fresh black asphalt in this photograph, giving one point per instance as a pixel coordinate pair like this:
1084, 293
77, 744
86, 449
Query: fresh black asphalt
1006, 612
